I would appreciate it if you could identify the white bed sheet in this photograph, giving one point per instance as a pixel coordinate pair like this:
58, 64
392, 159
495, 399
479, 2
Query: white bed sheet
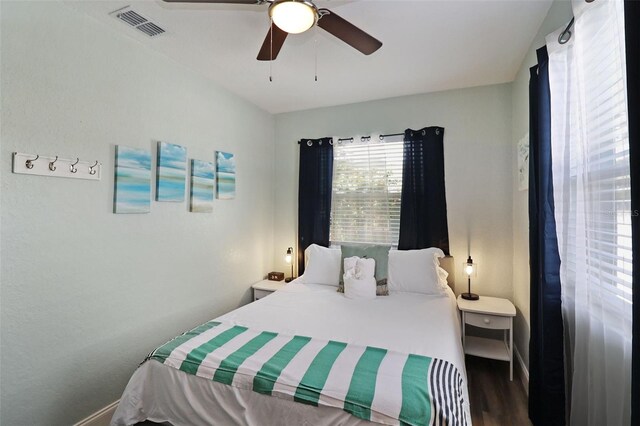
405, 322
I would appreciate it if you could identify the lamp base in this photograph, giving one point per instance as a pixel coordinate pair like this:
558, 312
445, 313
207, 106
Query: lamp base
470, 296
288, 280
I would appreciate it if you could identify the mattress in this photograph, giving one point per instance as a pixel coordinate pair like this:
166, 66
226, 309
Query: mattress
411, 323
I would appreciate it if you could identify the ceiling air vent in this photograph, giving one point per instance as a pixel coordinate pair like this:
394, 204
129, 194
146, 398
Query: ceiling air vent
137, 21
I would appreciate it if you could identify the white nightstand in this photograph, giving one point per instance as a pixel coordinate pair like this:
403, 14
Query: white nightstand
492, 313
265, 287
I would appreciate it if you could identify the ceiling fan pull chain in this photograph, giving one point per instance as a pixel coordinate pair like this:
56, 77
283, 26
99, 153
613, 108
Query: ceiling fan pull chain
271, 51
315, 42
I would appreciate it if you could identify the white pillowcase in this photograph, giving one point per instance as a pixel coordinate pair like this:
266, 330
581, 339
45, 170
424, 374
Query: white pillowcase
323, 265
442, 277
417, 271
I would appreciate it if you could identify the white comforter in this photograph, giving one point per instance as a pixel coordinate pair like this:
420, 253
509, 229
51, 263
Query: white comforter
405, 322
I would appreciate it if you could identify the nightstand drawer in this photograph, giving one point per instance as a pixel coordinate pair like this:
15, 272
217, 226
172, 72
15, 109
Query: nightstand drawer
487, 321
259, 294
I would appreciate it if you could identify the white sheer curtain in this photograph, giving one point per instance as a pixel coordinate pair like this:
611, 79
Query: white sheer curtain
590, 155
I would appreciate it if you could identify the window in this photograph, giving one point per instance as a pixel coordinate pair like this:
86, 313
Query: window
367, 186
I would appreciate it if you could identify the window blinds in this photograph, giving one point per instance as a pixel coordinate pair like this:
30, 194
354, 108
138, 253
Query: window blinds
367, 186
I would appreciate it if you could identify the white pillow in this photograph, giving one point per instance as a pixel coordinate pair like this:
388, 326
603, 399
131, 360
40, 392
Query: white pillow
442, 277
323, 265
416, 271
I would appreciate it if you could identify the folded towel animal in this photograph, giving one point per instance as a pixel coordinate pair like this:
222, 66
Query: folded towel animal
350, 266
359, 279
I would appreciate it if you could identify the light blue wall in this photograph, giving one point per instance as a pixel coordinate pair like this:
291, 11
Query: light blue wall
86, 294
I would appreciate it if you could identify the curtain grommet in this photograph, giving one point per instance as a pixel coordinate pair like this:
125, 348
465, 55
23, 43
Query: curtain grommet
309, 143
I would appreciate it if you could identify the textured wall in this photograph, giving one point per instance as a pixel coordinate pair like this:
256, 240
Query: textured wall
477, 168
86, 294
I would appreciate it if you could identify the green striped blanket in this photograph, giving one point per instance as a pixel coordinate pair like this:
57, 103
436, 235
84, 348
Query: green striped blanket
371, 383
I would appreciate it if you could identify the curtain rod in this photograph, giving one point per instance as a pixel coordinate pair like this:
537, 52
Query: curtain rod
365, 138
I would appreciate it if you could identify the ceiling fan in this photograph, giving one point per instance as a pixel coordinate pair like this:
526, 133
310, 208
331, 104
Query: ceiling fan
297, 16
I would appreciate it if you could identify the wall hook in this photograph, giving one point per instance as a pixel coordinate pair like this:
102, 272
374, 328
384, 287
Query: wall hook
29, 163
52, 166
92, 170
73, 168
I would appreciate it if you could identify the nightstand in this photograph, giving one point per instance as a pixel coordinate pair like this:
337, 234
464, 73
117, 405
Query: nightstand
490, 313
265, 287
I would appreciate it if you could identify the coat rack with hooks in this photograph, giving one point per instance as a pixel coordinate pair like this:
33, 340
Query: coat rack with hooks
35, 164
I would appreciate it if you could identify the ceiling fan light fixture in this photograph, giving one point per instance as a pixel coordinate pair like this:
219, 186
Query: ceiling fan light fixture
293, 16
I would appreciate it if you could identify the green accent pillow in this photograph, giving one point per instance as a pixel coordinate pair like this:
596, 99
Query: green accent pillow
377, 252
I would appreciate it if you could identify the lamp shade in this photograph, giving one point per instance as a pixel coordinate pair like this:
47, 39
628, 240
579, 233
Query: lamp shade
293, 16
470, 268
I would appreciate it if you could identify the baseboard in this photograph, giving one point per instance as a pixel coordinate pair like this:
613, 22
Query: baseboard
523, 372
101, 417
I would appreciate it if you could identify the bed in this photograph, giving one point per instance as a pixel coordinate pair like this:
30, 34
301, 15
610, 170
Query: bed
423, 326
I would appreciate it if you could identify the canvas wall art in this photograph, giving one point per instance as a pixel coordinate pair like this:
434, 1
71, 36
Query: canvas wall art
523, 163
132, 193
171, 172
202, 186
226, 167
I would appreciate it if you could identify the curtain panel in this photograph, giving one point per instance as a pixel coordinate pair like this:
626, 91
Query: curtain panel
546, 349
591, 181
314, 195
423, 209
632, 37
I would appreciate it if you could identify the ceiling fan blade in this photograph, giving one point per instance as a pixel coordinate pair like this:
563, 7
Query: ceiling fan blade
347, 32
267, 50
216, 1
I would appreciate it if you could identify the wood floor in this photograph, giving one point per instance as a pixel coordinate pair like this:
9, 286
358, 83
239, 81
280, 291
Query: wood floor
494, 399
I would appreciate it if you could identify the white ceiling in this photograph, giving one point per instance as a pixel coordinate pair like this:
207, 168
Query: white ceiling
428, 46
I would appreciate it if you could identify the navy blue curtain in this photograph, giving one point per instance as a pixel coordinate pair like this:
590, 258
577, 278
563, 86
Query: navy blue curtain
314, 194
423, 209
632, 41
546, 344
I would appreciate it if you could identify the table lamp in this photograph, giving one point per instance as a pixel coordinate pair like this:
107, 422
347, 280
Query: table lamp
289, 259
470, 268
